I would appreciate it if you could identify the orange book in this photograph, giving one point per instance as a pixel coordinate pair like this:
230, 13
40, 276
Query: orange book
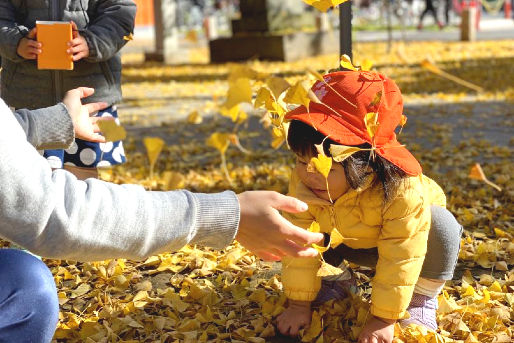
54, 35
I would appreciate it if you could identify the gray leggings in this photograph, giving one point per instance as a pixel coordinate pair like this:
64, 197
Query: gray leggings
442, 250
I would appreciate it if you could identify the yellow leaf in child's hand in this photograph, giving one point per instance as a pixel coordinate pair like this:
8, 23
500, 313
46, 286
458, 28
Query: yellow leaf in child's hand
313, 97
342, 152
335, 238
319, 248
298, 94
346, 63
322, 164
371, 122
194, 118
111, 131
317, 75
220, 141
239, 91
277, 85
278, 137
314, 227
129, 37
153, 147
366, 65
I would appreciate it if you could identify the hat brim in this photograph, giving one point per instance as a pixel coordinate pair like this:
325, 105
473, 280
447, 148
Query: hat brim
336, 130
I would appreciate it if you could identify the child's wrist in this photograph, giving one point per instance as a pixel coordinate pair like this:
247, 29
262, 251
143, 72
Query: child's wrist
385, 320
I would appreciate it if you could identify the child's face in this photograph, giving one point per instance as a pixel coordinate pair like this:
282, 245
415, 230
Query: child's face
316, 182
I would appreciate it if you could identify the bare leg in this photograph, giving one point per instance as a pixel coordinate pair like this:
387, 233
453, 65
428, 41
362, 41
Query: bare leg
296, 316
82, 173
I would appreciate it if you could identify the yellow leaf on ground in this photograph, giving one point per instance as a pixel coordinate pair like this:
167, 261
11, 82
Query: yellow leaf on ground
194, 118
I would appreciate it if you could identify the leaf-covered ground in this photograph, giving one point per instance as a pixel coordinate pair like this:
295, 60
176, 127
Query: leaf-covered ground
201, 295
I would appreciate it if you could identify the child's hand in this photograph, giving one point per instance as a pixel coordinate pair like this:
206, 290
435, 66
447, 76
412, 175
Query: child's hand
28, 46
296, 316
377, 331
78, 46
85, 127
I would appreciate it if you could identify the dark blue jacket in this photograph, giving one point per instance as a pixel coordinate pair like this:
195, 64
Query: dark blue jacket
104, 24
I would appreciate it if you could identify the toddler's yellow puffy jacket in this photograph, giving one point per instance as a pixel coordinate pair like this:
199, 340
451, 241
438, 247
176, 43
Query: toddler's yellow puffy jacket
398, 228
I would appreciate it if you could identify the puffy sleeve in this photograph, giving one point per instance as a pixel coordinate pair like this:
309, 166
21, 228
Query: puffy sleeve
299, 275
402, 245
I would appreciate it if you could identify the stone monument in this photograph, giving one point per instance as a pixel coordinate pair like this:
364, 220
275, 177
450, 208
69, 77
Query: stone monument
271, 30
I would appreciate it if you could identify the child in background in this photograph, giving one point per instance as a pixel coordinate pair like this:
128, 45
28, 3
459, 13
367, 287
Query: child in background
100, 28
387, 214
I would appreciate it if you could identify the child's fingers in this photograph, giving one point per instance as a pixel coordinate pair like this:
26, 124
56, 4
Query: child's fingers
95, 137
34, 44
95, 120
32, 33
79, 56
33, 51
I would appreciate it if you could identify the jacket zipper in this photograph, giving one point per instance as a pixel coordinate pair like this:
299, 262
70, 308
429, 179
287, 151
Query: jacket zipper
57, 75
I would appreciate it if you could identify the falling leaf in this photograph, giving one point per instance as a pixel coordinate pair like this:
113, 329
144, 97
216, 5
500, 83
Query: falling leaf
298, 94
153, 147
239, 91
342, 152
194, 118
129, 37
316, 75
372, 124
322, 163
346, 63
366, 65
430, 66
477, 173
277, 85
324, 5
264, 98
112, 131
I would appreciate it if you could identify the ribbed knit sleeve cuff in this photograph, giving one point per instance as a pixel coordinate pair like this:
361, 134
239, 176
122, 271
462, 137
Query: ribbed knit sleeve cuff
12, 40
217, 219
54, 127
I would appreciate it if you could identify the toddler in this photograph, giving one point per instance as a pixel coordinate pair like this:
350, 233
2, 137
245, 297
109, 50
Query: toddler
384, 212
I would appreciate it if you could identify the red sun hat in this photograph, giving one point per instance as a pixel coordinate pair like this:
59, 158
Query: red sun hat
343, 121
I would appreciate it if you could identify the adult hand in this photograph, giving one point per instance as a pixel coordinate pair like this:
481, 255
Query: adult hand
28, 46
85, 127
263, 231
377, 330
78, 47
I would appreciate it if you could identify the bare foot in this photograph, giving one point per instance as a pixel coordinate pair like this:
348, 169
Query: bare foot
296, 316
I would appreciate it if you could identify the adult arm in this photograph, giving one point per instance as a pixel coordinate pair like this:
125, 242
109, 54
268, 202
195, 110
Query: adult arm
112, 20
10, 32
55, 215
47, 128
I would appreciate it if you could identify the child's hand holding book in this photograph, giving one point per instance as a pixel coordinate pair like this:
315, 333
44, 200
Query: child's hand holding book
28, 47
78, 45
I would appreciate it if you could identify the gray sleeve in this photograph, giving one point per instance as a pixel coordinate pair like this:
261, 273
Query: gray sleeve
112, 20
55, 215
10, 33
47, 128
